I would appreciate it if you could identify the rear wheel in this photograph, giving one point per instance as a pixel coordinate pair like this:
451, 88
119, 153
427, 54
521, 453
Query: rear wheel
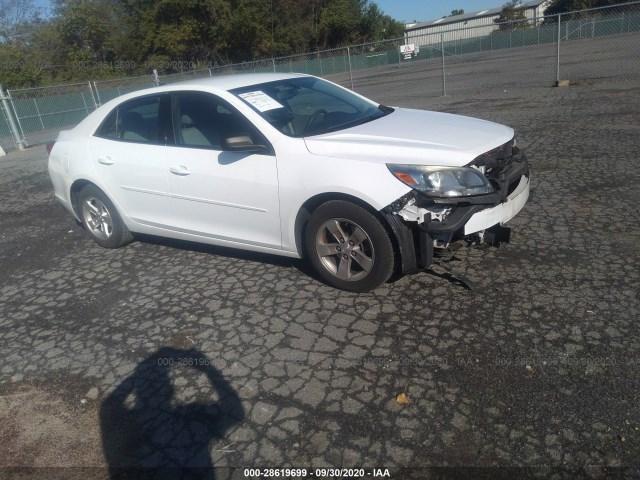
348, 247
101, 219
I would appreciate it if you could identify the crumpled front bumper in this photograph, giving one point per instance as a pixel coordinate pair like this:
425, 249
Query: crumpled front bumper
502, 212
473, 214
467, 216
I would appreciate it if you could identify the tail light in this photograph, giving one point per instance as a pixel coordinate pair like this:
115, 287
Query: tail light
49, 146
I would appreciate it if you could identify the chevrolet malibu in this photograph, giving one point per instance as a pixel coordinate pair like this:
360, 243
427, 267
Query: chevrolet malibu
291, 165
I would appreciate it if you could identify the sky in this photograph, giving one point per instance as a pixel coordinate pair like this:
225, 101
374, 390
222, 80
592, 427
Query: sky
409, 10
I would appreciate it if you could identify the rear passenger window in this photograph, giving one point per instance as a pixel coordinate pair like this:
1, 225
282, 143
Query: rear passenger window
134, 121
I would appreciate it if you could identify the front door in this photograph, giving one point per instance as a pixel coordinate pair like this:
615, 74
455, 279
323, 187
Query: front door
229, 196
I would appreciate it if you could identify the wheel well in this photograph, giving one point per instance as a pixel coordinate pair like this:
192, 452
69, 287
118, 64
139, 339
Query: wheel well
75, 190
311, 204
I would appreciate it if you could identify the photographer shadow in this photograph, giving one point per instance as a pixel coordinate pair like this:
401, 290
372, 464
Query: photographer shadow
147, 434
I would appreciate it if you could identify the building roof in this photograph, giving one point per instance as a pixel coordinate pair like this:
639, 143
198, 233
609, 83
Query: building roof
467, 16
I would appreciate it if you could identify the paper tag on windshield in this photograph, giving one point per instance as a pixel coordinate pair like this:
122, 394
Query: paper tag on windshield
260, 100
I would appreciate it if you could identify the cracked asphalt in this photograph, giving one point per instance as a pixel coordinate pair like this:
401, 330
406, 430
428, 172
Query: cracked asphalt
165, 354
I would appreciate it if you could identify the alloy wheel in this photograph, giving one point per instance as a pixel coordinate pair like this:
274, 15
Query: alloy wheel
345, 249
97, 218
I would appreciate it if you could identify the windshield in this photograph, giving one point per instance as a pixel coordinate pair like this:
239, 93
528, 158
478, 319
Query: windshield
300, 107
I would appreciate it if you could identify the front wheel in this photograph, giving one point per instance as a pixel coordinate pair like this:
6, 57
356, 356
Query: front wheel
348, 247
101, 219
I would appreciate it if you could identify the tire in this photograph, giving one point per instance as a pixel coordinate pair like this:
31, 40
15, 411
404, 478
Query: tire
348, 247
101, 220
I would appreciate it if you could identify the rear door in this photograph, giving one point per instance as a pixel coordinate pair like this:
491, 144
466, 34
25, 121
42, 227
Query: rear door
129, 154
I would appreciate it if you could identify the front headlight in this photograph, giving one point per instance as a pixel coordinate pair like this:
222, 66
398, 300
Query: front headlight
442, 181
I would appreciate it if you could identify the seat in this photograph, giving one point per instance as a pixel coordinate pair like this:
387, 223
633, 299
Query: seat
190, 134
133, 127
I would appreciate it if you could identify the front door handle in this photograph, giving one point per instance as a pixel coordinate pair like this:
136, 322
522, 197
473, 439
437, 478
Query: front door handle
105, 161
180, 170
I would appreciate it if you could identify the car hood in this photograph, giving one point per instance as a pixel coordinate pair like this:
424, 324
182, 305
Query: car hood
413, 137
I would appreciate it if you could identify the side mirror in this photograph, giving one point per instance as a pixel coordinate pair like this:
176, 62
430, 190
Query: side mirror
241, 143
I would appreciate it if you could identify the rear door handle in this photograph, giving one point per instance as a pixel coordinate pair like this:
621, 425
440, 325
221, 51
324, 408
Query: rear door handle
105, 161
180, 170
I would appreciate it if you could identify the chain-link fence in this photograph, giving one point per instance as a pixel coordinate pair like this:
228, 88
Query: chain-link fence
40, 113
600, 44
577, 46
7, 139
109, 89
183, 76
582, 45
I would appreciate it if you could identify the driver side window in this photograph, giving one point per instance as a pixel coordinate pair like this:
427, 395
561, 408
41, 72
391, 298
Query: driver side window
202, 120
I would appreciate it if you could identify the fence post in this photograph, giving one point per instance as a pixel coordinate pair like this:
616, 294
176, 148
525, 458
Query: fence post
35, 104
444, 79
93, 95
15, 131
558, 55
350, 71
273, 61
98, 99
156, 79
86, 107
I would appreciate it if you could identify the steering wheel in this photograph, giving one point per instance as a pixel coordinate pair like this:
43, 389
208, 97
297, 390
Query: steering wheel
314, 117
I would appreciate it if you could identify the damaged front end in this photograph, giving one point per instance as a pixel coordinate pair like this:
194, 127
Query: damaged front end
450, 204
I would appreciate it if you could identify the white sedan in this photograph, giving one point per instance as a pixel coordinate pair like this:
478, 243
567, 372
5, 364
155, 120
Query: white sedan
290, 165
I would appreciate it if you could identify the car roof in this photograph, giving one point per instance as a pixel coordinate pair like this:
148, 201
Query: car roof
222, 83
229, 82
212, 84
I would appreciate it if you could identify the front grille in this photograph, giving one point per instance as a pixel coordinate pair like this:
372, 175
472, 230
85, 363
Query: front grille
494, 161
503, 166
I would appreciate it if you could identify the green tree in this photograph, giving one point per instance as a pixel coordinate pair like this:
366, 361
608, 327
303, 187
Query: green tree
343, 22
15, 18
512, 16
338, 23
375, 25
92, 39
84, 29
22, 64
294, 26
173, 34
457, 12
250, 30
563, 6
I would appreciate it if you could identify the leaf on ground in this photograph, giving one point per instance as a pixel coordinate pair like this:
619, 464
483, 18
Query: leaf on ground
402, 399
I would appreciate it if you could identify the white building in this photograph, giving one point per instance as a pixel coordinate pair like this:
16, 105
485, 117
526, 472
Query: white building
476, 24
